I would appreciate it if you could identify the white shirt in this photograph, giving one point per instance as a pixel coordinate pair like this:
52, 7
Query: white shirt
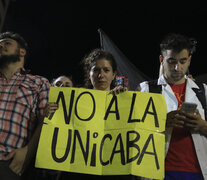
200, 141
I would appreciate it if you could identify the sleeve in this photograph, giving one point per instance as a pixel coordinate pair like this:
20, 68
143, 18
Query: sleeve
42, 97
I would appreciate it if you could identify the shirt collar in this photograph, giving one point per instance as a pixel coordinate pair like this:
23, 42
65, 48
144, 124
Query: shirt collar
18, 72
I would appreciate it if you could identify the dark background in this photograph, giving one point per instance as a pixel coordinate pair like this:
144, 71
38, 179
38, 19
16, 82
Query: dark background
60, 33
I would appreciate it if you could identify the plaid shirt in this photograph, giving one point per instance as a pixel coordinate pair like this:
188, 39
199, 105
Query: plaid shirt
22, 101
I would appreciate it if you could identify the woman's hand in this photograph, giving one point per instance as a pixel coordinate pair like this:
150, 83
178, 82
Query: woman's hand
118, 89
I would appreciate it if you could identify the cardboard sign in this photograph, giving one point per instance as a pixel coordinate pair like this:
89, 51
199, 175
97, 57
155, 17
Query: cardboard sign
94, 132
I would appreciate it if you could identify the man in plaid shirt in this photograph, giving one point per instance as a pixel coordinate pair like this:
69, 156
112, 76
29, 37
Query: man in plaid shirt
22, 101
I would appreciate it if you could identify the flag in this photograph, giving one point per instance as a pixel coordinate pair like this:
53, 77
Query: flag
124, 66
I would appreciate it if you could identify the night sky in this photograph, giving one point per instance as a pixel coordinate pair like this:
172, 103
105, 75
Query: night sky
60, 33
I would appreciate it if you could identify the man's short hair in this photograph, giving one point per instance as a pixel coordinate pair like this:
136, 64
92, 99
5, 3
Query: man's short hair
178, 42
15, 36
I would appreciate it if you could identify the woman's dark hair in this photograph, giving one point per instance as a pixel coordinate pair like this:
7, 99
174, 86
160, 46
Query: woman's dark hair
89, 61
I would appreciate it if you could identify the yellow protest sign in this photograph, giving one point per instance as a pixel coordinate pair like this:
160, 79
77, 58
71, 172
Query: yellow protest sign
94, 132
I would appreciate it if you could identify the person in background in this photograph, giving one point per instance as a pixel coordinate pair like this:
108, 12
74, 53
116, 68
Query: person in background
51, 107
61, 81
186, 133
22, 103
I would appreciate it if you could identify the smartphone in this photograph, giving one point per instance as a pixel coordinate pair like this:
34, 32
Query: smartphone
188, 107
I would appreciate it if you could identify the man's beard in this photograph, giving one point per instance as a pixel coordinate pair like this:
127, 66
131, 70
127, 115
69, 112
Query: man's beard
176, 76
5, 60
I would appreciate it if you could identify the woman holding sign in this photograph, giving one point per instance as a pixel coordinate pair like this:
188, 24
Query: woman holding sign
100, 74
100, 70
